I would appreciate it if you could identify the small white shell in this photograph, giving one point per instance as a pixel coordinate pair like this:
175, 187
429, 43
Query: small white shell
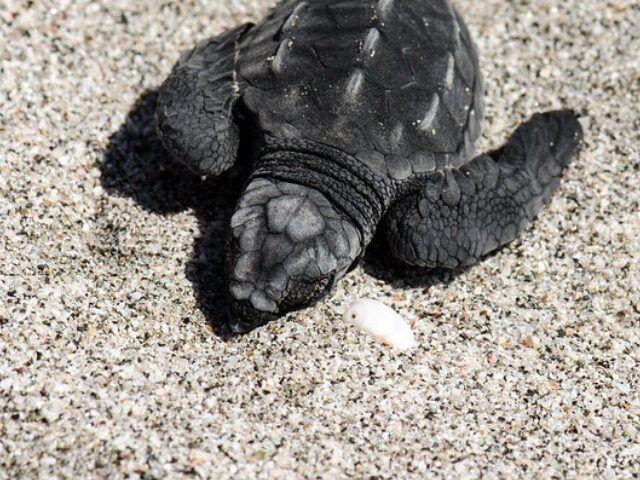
381, 322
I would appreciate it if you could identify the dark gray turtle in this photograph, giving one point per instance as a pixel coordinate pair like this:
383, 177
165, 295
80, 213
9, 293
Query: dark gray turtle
366, 113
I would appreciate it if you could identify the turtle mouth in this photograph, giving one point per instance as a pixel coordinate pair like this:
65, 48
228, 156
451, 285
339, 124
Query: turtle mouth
244, 316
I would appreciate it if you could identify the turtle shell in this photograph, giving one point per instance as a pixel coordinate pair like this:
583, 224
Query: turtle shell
394, 83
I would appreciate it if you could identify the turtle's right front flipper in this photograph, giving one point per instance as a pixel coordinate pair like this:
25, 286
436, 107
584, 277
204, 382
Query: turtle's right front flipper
195, 112
462, 214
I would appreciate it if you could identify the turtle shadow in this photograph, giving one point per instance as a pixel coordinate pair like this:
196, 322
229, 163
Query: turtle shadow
135, 165
381, 265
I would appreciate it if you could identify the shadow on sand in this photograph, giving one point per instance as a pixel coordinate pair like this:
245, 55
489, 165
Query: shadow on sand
135, 165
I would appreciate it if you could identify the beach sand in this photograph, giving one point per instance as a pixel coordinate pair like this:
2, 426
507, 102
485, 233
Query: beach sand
111, 286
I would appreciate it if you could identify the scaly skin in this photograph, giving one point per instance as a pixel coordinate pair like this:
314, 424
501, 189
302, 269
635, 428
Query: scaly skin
366, 112
462, 214
195, 107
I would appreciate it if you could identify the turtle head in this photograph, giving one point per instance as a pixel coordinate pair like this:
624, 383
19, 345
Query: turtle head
287, 246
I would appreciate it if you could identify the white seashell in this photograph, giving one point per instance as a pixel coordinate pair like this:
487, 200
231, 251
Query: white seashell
381, 322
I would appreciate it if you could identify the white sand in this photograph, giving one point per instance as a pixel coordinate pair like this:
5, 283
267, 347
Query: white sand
528, 364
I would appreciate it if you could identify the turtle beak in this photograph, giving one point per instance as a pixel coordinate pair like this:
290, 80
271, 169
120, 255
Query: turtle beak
244, 317
286, 247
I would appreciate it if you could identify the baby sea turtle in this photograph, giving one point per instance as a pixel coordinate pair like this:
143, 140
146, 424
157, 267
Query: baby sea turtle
365, 113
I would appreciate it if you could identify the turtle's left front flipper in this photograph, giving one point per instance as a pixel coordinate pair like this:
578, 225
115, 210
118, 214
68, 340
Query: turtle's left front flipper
462, 214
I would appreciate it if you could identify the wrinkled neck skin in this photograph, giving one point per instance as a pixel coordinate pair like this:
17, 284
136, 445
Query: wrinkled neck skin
306, 215
349, 185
